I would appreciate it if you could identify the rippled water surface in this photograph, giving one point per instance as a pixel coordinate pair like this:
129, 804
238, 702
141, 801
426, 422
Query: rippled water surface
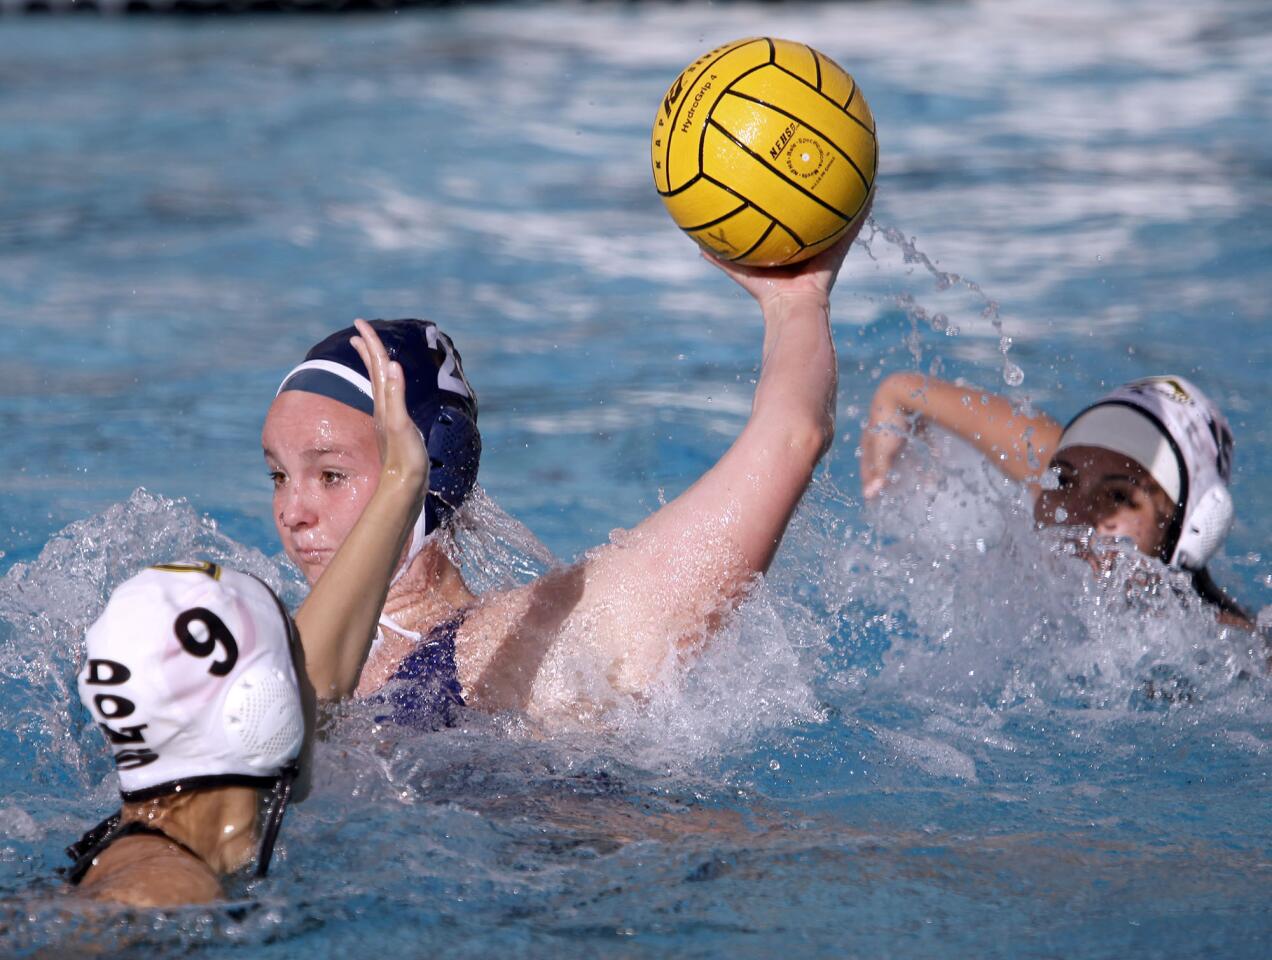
930, 734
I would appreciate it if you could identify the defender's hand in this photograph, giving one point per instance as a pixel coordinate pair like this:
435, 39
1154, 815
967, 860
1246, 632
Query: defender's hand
402, 453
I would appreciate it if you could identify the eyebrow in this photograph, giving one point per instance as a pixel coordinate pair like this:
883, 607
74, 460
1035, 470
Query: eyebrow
1133, 481
314, 453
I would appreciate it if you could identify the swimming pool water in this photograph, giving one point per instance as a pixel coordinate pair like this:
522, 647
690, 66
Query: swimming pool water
929, 735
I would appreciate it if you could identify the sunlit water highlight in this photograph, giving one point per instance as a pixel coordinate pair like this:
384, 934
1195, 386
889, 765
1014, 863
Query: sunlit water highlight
931, 733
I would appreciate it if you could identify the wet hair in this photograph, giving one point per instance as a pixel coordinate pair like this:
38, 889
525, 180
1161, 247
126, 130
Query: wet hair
1217, 597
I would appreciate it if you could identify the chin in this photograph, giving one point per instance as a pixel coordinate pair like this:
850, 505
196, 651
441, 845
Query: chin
311, 570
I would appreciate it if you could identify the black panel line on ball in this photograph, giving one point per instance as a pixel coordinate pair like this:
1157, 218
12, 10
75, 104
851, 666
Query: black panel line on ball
710, 116
753, 205
772, 50
760, 160
808, 126
828, 240
675, 120
819, 93
817, 67
712, 223
682, 188
758, 243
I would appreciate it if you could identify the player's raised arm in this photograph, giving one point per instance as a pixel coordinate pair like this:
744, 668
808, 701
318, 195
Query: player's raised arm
338, 619
1018, 445
665, 585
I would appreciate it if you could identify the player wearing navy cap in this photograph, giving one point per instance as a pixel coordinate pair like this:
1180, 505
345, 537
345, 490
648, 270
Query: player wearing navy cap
583, 634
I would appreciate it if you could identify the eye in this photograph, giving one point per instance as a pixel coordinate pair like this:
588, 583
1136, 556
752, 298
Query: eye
332, 478
1122, 497
277, 478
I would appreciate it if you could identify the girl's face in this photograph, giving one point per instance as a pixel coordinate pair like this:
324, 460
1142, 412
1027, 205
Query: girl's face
325, 465
1109, 494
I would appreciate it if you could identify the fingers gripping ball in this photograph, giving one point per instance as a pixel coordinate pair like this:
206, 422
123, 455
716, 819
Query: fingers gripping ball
764, 151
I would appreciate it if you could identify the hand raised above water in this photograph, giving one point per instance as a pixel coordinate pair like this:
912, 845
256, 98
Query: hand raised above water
812, 278
403, 456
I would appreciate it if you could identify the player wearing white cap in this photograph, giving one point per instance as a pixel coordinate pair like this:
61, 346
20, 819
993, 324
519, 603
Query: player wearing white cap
1149, 462
195, 675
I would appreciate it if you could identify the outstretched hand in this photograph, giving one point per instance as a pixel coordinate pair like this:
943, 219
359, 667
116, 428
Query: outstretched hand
881, 442
402, 453
814, 277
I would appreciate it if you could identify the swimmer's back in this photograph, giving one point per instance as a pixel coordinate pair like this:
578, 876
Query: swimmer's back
148, 869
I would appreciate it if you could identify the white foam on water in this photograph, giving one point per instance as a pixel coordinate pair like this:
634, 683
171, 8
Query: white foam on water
1001, 614
932, 756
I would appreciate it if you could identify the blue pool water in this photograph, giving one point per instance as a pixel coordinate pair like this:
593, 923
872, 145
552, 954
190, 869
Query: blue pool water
927, 736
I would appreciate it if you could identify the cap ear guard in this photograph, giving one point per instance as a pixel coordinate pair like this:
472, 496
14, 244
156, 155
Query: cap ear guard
1204, 529
262, 715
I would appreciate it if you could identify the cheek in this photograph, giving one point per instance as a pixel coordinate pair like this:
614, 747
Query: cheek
1136, 524
342, 505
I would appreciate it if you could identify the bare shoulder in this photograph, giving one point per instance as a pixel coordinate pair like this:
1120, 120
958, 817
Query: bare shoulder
552, 645
507, 635
150, 871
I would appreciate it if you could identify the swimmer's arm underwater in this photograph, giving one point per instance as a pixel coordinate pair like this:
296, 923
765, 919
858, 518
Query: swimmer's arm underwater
1005, 437
337, 621
663, 587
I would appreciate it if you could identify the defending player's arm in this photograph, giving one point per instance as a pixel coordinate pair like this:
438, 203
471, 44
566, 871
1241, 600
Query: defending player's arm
1007, 438
338, 619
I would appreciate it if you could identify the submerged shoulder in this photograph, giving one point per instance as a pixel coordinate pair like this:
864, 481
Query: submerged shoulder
150, 871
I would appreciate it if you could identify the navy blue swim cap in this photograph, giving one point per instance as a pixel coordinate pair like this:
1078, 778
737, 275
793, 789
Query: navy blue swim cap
438, 398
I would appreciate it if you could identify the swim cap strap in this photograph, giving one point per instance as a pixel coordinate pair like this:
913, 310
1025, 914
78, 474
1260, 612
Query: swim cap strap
278, 800
186, 784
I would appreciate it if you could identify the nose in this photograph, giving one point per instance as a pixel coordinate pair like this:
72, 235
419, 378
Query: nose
294, 508
1068, 507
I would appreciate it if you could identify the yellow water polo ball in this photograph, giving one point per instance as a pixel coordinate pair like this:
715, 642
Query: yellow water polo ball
764, 151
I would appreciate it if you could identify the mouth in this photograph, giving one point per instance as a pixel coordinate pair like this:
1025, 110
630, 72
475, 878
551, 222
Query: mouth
313, 556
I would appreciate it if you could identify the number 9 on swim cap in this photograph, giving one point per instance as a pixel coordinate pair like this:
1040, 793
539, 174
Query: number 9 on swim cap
189, 674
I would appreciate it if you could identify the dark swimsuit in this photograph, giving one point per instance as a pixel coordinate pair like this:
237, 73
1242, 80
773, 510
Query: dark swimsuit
424, 692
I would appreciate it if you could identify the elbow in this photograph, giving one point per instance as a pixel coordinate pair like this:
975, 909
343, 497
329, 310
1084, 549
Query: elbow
807, 442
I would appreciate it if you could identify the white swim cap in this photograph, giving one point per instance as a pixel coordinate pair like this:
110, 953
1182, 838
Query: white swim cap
1171, 429
189, 673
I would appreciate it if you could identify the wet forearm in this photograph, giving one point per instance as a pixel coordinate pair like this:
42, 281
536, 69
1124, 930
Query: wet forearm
1019, 445
338, 619
798, 374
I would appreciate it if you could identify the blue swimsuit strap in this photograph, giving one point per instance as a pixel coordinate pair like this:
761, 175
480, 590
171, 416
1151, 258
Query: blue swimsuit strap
424, 690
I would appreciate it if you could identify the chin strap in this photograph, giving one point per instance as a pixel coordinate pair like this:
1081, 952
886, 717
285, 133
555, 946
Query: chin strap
274, 817
419, 539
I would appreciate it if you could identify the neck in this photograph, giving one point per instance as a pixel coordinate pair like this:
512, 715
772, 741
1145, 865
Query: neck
432, 582
217, 824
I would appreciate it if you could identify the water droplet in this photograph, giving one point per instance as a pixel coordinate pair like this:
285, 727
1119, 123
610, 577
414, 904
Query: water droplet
1013, 375
1061, 514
